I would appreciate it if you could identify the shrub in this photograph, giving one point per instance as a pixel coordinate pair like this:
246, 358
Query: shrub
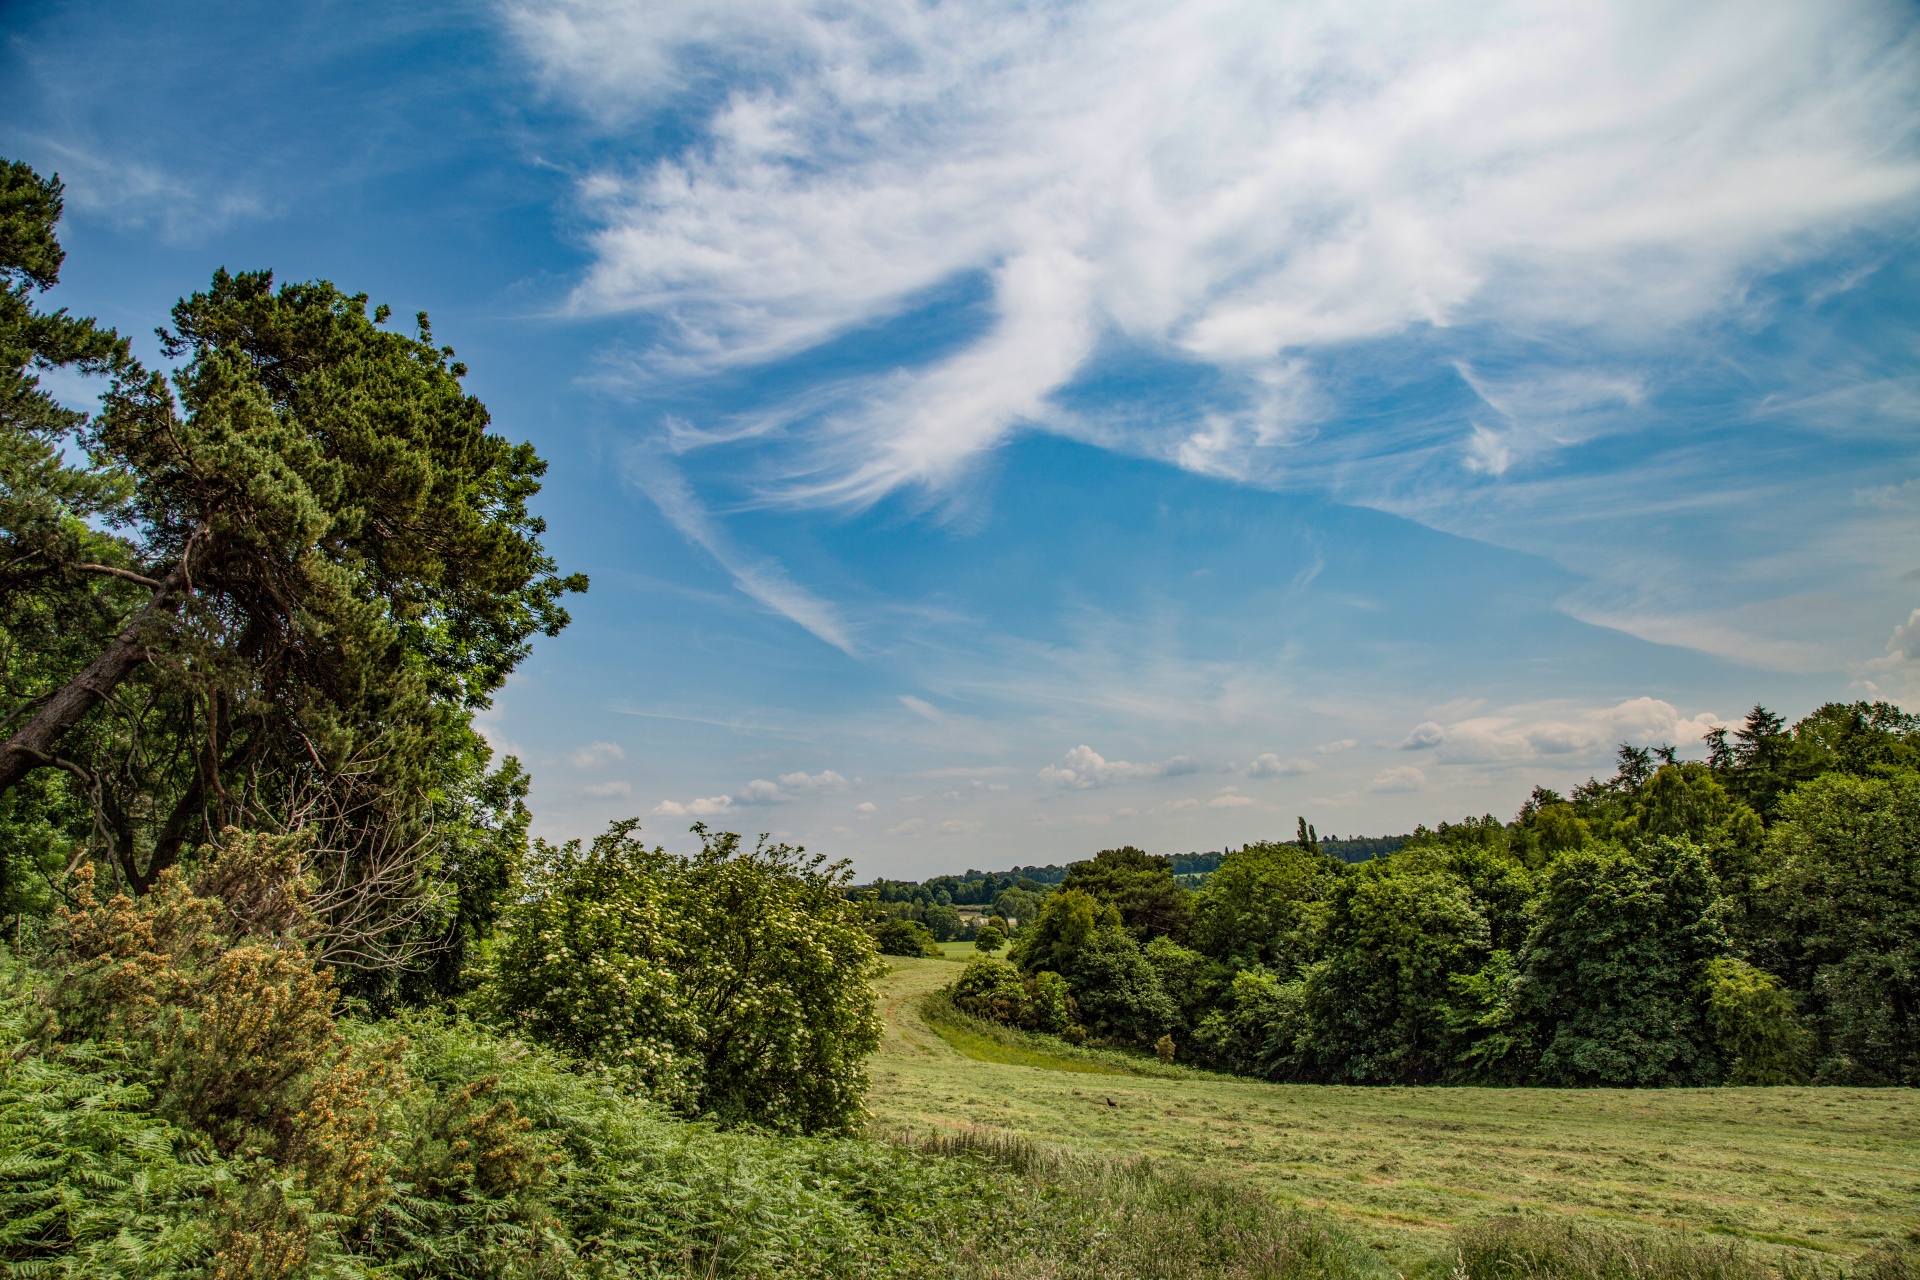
223, 1013
903, 938
91, 1182
995, 990
1084, 941
732, 984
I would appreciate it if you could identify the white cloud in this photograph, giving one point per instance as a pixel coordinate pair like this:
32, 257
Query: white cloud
602, 789
1901, 663
826, 782
1575, 735
1228, 182
867, 807
1335, 748
1229, 799
761, 577
705, 807
1425, 734
596, 754
1403, 778
1269, 765
762, 791
1085, 768
925, 710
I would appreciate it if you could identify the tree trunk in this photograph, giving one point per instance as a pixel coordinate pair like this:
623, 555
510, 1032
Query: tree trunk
33, 747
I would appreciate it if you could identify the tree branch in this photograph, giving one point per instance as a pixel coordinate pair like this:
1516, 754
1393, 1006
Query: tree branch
128, 574
32, 747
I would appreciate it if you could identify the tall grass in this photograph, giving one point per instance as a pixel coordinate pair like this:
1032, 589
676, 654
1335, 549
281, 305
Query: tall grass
1133, 1220
1523, 1247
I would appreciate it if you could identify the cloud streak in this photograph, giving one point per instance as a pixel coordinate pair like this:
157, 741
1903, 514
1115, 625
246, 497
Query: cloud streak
760, 577
1222, 183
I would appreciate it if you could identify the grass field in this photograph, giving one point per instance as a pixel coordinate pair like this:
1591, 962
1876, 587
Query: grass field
1829, 1171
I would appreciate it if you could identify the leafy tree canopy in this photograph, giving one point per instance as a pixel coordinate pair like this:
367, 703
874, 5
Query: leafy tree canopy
1140, 886
266, 592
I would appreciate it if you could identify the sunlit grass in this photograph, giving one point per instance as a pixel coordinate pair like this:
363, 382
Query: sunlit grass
1804, 1173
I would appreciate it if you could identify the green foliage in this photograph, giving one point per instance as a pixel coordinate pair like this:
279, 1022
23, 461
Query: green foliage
1841, 921
1259, 907
91, 1182
998, 992
1257, 1027
1190, 979
992, 989
1086, 943
943, 922
1613, 968
268, 592
1140, 887
1755, 1025
1377, 1006
903, 938
733, 983
989, 940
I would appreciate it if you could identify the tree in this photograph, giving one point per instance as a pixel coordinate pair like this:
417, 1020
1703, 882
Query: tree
732, 983
989, 940
903, 938
320, 563
995, 990
1259, 907
1140, 886
943, 921
1840, 921
1613, 969
1257, 1027
1756, 1025
1019, 906
62, 576
1085, 941
1396, 934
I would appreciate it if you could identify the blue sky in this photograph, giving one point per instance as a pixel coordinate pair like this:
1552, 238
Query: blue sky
1000, 431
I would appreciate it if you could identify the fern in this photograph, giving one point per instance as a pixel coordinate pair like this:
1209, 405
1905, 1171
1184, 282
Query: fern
90, 1184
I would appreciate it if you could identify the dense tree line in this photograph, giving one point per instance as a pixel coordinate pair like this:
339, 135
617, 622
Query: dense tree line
1754, 918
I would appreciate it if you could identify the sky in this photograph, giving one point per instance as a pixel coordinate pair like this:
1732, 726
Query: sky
1001, 431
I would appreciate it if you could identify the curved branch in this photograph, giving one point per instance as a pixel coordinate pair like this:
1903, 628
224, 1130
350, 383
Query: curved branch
112, 571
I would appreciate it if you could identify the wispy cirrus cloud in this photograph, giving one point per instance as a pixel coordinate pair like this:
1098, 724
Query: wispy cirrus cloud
760, 577
1221, 182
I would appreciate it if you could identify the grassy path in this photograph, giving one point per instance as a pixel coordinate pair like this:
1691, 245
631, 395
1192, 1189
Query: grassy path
1833, 1170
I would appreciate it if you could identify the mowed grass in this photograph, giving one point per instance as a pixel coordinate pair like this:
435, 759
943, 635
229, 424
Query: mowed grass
1823, 1172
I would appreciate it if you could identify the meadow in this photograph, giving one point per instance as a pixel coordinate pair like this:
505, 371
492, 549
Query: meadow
1816, 1175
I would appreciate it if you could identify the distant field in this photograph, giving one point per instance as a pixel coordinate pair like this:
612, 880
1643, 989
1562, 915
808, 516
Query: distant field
1828, 1170
958, 950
